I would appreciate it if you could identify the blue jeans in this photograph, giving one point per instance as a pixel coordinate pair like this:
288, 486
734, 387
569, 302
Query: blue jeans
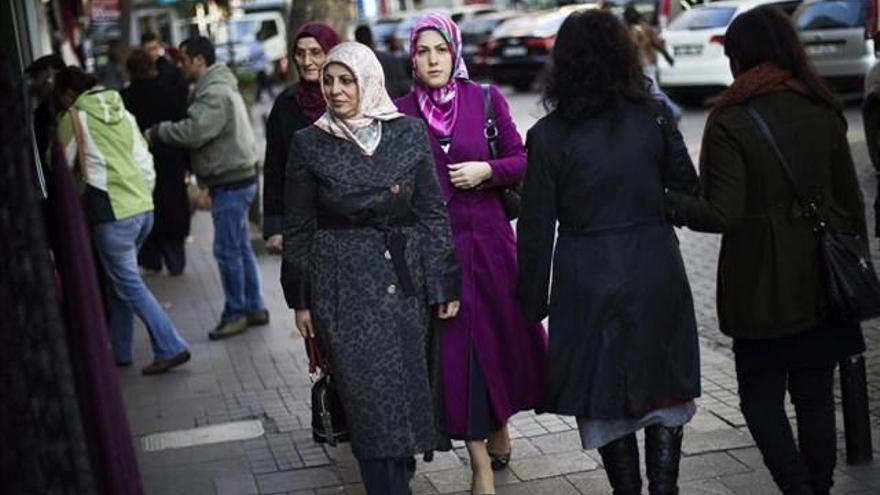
650, 73
235, 257
117, 244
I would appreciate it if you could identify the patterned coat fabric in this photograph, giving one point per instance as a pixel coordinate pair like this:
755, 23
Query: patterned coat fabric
511, 353
341, 207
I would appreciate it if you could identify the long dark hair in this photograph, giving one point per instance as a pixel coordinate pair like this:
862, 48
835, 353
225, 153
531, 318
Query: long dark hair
766, 34
594, 68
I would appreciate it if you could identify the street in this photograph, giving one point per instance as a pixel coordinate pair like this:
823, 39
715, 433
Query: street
262, 376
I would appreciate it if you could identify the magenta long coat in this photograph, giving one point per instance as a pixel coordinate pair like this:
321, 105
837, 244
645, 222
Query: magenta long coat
511, 353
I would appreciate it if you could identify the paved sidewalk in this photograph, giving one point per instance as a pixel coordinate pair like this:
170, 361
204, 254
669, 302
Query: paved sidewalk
262, 375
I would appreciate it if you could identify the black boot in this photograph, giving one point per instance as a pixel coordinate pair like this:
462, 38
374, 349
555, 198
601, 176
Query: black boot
621, 459
662, 456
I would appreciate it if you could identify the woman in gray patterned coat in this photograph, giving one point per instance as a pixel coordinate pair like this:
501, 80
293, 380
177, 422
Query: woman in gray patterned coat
369, 256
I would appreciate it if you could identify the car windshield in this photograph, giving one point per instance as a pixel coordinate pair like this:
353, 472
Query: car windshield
836, 14
703, 18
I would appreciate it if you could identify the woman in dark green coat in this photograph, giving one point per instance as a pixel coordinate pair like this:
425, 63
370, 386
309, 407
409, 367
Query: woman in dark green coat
770, 292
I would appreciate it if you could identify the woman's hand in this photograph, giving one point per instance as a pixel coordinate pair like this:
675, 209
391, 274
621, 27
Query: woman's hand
468, 175
303, 320
275, 244
448, 310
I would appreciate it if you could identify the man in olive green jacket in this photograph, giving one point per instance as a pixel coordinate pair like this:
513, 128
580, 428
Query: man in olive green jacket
218, 133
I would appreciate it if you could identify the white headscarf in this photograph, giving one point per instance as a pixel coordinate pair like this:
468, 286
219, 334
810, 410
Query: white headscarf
374, 104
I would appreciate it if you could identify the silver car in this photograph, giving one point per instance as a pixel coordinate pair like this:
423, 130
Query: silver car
838, 36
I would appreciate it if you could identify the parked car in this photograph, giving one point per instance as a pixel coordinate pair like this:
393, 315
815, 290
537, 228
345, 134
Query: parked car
838, 36
476, 33
695, 39
520, 47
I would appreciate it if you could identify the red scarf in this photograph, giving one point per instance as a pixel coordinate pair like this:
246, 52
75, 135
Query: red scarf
757, 81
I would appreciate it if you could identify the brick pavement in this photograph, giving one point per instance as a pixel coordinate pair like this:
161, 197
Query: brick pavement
262, 375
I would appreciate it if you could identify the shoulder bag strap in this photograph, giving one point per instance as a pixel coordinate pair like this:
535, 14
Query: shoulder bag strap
810, 206
490, 129
79, 136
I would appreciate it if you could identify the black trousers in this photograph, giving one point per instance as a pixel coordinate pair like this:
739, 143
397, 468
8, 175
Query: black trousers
155, 251
385, 476
805, 468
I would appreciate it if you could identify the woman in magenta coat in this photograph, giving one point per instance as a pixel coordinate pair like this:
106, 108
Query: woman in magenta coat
493, 361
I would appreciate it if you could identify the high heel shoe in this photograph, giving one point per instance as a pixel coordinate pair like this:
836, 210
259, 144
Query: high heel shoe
500, 461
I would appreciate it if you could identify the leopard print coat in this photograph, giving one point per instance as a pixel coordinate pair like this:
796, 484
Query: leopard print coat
378, 339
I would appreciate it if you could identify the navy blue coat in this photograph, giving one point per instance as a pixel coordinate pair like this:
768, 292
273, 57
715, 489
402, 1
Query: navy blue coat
623, 336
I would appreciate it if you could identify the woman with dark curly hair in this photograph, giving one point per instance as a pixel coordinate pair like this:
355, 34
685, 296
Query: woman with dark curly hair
623, 341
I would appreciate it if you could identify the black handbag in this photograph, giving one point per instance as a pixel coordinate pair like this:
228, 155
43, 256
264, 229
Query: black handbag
851, 285
511, 196
328, 417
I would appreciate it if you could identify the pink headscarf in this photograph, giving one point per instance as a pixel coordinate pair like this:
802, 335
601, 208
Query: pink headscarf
439, 106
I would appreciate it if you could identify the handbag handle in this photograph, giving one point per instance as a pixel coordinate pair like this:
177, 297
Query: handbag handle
316, 360
789, 175
490, 129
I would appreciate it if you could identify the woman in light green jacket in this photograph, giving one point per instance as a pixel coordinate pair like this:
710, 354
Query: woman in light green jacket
104, 146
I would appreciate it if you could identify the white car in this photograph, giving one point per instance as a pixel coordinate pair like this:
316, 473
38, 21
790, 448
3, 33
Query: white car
839, 37
695, 39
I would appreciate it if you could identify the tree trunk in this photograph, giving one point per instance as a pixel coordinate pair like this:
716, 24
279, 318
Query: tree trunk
337, 13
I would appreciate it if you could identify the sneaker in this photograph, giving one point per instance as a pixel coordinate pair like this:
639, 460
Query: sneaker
160, 366
257, 318
229, 328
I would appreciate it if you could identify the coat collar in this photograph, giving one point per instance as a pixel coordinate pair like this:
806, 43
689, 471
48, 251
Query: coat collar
350, 165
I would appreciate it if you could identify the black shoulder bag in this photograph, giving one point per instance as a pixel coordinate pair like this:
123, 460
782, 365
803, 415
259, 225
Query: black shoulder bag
511, 196
851, 285
328, 417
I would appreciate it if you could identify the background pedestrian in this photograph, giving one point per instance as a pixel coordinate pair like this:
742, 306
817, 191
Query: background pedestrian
296, 108
397, 79
151, 102
109, 155
217, 131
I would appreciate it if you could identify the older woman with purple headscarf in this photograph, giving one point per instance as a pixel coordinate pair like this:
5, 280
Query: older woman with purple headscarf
493, 360
296, 108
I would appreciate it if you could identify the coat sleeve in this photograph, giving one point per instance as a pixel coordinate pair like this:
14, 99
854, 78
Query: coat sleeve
535, 231
273, 175
205, 119
679, 173
510, 165
845, 186
442, 272
299, 228
721, 205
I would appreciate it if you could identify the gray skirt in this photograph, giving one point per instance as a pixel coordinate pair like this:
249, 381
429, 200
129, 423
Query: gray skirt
596, 433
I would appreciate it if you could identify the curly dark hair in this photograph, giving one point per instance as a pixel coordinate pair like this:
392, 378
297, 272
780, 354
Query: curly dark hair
594, 67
